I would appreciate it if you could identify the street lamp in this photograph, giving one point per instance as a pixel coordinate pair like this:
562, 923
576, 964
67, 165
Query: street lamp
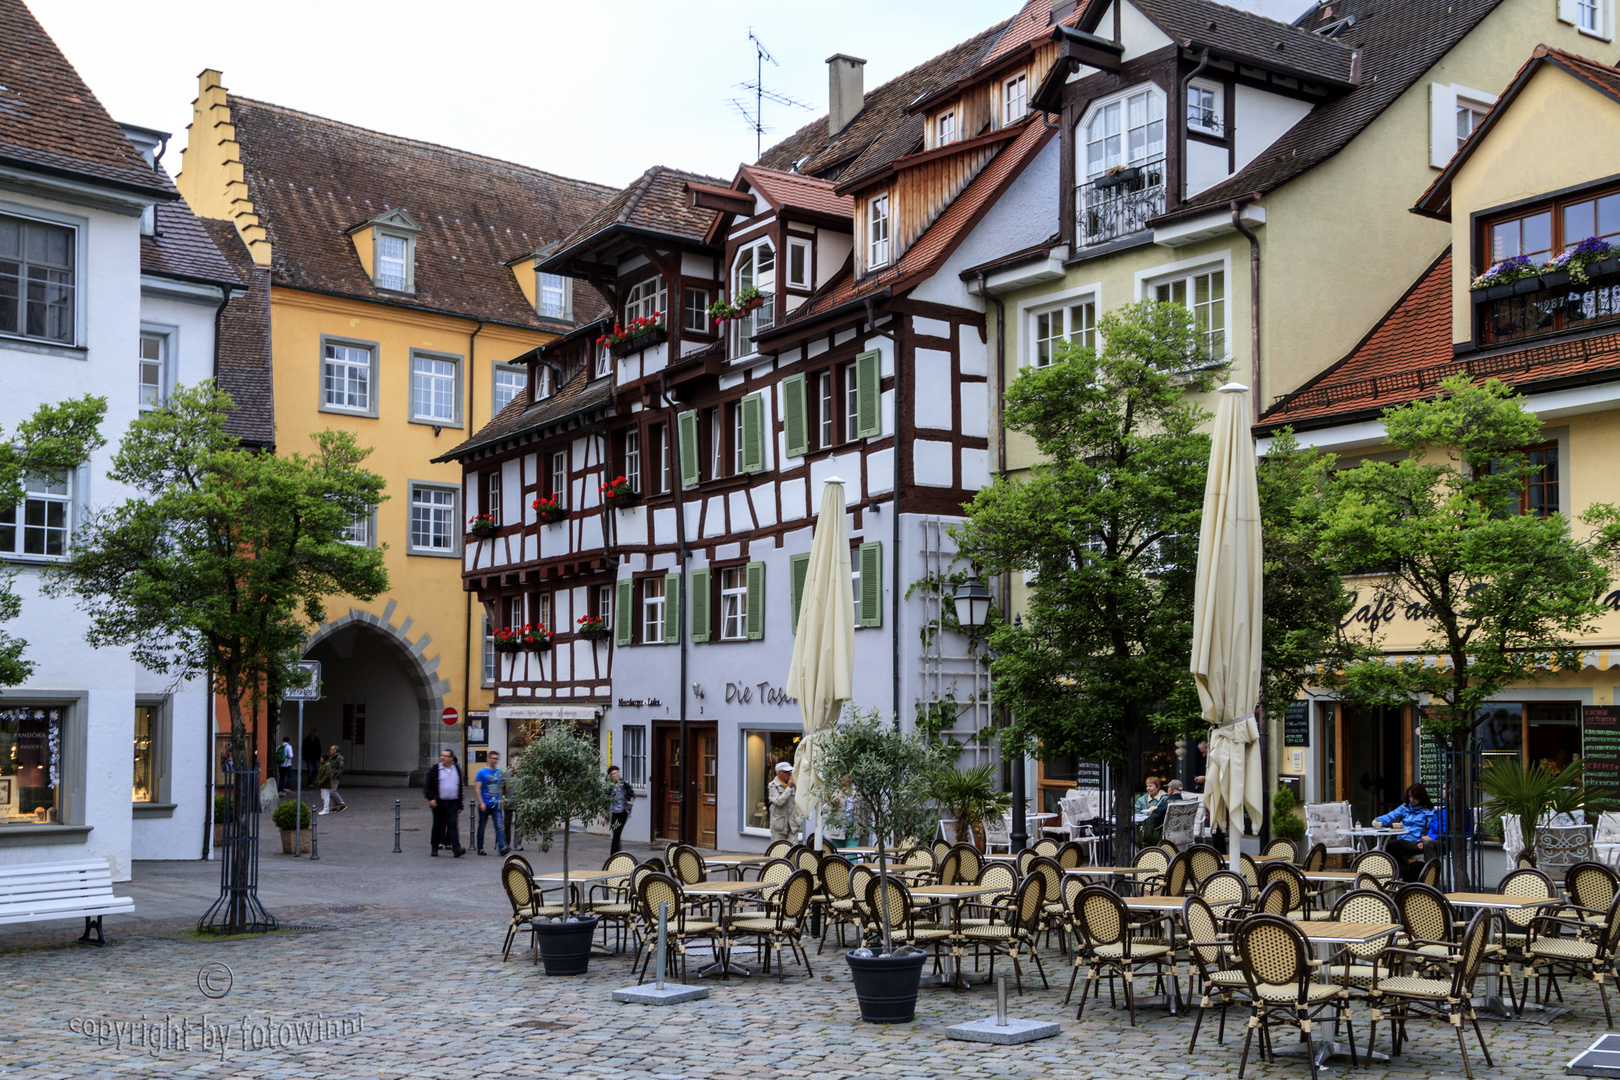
972, 602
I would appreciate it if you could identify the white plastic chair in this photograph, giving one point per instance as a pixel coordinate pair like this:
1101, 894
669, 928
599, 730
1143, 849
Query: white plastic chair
1606, 843
998, 834
1325, 823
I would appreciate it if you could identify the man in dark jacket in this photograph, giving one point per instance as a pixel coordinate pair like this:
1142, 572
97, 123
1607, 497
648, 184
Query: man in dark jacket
311, 754
442, 787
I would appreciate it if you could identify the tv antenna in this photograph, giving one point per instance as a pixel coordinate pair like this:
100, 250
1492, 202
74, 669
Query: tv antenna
761, 94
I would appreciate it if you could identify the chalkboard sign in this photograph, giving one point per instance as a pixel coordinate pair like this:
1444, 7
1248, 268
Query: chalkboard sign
1430, 750
1600, 746
1297, 724
1088, 774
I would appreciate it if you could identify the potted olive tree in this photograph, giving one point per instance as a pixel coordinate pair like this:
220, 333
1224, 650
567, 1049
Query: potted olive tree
891, 778
559, 777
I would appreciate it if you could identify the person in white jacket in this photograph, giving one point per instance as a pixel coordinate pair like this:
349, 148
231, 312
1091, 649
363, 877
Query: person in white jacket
781, 796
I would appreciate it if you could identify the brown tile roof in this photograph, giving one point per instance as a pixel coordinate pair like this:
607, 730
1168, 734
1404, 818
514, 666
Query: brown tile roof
183, 249
1033, 23
1436, 201
795, 191
244, 369
656, 202
580, 393
1226, 31
1398, 42
311, 179
934, 246
881, 118
49, 119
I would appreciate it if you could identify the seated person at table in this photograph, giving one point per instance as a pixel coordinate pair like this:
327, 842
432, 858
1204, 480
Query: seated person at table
1155, 821
1151, 799
1414, 815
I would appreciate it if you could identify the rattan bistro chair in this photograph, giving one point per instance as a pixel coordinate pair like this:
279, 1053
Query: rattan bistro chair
1204, 861
1448, 998
1218, 977
1224, 892
1281, 845
1014, 925
1591, 888
1380, 864
890, 901
782, 925
1316, 859
612, 903
1591, 954
686, 864
527, 904
1275, 961
1355, 966
654, 890
837, 900
1106, 942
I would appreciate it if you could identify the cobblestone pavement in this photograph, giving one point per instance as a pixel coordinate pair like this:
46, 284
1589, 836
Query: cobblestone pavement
394, 970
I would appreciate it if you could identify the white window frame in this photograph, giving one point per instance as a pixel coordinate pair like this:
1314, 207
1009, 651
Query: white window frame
521, 389
489, 668
559, 478
1014, 98
1592, 18
1476, 111
826, 418
1122, 101
362, 531
492, 494
945, 128
603, 364
560, 284
850, 385
348, 360
855, 583
78, 227
1444, 100
651, 610
408, 278
695, 311
717, 442
632, 458
745, 271
162, 366
662, 466
634, 763
734, 603
877, 231
1068, 332
1148, 281
37, 492
432, 381
800, 247
1211, 121
646, 298
738, 449
453, 519
542, 611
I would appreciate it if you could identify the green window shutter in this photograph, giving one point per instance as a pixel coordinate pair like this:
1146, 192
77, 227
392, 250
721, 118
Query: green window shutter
688, 448
700, 605
868, 394
756, 601
871, 556
798, 568
795, 417
753, 414
672, 609
624, 616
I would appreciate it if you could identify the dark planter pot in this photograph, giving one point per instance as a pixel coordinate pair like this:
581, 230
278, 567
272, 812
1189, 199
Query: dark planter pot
1492, 292
639, 342
594, 635
537, 646
753, 303
1604, 267
507, 646
624, 501
886, 986
1526, 285
565, 947
484, 532
551, 517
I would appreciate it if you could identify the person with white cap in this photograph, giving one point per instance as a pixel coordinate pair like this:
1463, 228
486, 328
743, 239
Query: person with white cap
785, 820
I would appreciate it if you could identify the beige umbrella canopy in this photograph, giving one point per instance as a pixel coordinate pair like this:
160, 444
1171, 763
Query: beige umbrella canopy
823, 662
1226, 619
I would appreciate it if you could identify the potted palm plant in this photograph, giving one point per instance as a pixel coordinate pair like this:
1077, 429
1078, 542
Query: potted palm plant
1533, 791
559, 777
890, 778
969, 797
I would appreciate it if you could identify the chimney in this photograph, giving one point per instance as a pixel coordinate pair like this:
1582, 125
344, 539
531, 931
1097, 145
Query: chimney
845, 94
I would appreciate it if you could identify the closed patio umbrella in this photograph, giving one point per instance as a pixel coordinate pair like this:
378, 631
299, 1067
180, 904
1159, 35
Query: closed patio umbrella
1226, 620
823, 663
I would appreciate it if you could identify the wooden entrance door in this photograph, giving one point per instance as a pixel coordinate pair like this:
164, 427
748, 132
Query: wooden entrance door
667, 784
706, 743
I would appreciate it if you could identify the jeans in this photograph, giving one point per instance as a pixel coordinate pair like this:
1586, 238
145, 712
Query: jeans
484, 814
616, 823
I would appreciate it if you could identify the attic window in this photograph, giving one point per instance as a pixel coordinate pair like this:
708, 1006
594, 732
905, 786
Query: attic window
1336, 27
1014, 99
555, 294
394, 262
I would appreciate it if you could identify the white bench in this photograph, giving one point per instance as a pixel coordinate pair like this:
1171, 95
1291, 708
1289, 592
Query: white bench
64, 890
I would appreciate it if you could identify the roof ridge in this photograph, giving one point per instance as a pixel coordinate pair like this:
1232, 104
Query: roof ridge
640, 192
1292, 27
606, 189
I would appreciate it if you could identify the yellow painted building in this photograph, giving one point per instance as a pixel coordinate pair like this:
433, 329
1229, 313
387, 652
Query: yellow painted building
403, 280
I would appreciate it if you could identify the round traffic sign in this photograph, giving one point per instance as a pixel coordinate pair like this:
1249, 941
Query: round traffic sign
449, 716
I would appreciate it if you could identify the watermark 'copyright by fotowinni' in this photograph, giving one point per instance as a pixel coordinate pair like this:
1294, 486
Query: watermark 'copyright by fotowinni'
214, 1035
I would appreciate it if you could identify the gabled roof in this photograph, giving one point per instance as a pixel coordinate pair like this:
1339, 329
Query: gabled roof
795, 191
880, 122
931, 250
1397, 43
1031, 28
656, 204
244, 369
311, 179
1404, 357
1234, 34
581, 393
183, 249
1436, 202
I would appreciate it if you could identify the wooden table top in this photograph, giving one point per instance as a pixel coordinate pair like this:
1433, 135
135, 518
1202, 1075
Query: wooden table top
583, 875
724, 888
737, 860
956, 892
1345, 933
1155, 903
1330, 875
1093, 871
1279, 857
1497, 900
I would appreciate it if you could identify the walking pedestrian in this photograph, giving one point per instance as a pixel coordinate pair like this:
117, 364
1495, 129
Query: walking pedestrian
327, 776
624, 797
310, 757
779, 793
442, 787
491, 785
284, 766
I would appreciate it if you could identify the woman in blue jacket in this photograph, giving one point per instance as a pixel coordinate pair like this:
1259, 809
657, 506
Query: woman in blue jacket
1414, 816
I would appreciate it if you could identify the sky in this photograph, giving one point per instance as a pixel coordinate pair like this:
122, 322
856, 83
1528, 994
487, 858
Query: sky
593, 90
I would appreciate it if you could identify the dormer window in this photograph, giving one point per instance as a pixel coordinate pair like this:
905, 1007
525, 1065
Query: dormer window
393, 262
877, 231
555, 295
945, 129
1014, 99
386, 245
1206, 102
646, 299
1121, 146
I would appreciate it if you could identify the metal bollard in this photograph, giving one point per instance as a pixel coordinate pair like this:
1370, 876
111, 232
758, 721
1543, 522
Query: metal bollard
1001, 1001
314, 839
663, 930
396, 827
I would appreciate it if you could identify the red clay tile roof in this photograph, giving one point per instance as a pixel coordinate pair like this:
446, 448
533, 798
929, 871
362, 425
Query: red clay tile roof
1033, 23
934, 246
244, 369
795, 191
1398, 42
183, 249
880, 119
311, 179
49, 119
1406, 355
657, 202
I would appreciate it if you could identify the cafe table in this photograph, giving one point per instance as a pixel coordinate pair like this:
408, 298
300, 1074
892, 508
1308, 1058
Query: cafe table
1492, 1004
1378, 836
950, 899
725, 895
1325, 934
1166, 910
734, 864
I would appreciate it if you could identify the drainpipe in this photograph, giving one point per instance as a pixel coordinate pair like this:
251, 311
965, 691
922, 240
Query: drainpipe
894, 544
681, 556
1203, 62
1254, 301
209, 779
466, 622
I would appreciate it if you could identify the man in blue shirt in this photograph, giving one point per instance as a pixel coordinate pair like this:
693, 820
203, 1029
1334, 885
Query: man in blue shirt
1414, 815
489, 783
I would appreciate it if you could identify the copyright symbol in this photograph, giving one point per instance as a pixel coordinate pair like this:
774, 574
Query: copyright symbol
215, 980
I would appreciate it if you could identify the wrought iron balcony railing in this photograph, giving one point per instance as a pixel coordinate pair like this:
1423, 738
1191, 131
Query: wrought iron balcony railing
1120, 203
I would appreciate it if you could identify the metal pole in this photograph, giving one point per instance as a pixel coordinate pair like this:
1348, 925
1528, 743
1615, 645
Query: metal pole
663, 930
314, 840
298, 787
396, 827
1001, 1001
1020, 807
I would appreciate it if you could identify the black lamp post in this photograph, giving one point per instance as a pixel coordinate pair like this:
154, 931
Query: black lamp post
973, 601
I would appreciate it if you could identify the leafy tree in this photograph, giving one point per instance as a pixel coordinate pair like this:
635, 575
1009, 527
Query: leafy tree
558, 777
55, 439
222, 562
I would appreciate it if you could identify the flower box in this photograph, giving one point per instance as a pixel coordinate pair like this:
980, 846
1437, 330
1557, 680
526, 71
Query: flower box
506, 645
1492, 292
1525, 286
536, 642
636, 342
753, 303
618, 494
547, 511
591, 628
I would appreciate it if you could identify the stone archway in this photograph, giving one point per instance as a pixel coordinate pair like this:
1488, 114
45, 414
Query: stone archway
381, 697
